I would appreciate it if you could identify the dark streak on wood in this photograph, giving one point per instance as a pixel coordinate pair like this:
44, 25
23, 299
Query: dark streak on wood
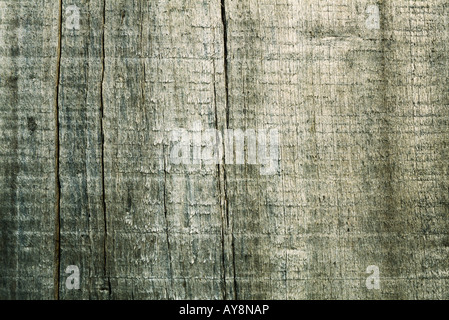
57, 270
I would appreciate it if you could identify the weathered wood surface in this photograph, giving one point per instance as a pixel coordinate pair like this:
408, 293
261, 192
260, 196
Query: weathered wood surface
86, 174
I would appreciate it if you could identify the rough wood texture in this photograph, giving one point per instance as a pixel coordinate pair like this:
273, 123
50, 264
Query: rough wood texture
87, 177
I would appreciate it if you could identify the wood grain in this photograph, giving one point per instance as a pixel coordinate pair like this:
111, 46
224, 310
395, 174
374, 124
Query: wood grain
87, 174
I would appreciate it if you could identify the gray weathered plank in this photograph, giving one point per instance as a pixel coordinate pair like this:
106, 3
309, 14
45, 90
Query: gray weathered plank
28, 49
89, 178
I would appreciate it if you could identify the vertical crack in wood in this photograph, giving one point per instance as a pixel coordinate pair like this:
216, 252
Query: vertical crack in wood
233, 264
225, 64
220, 191
142, 57
105, 231
57, 253
170, 267
225, 57
388, 168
